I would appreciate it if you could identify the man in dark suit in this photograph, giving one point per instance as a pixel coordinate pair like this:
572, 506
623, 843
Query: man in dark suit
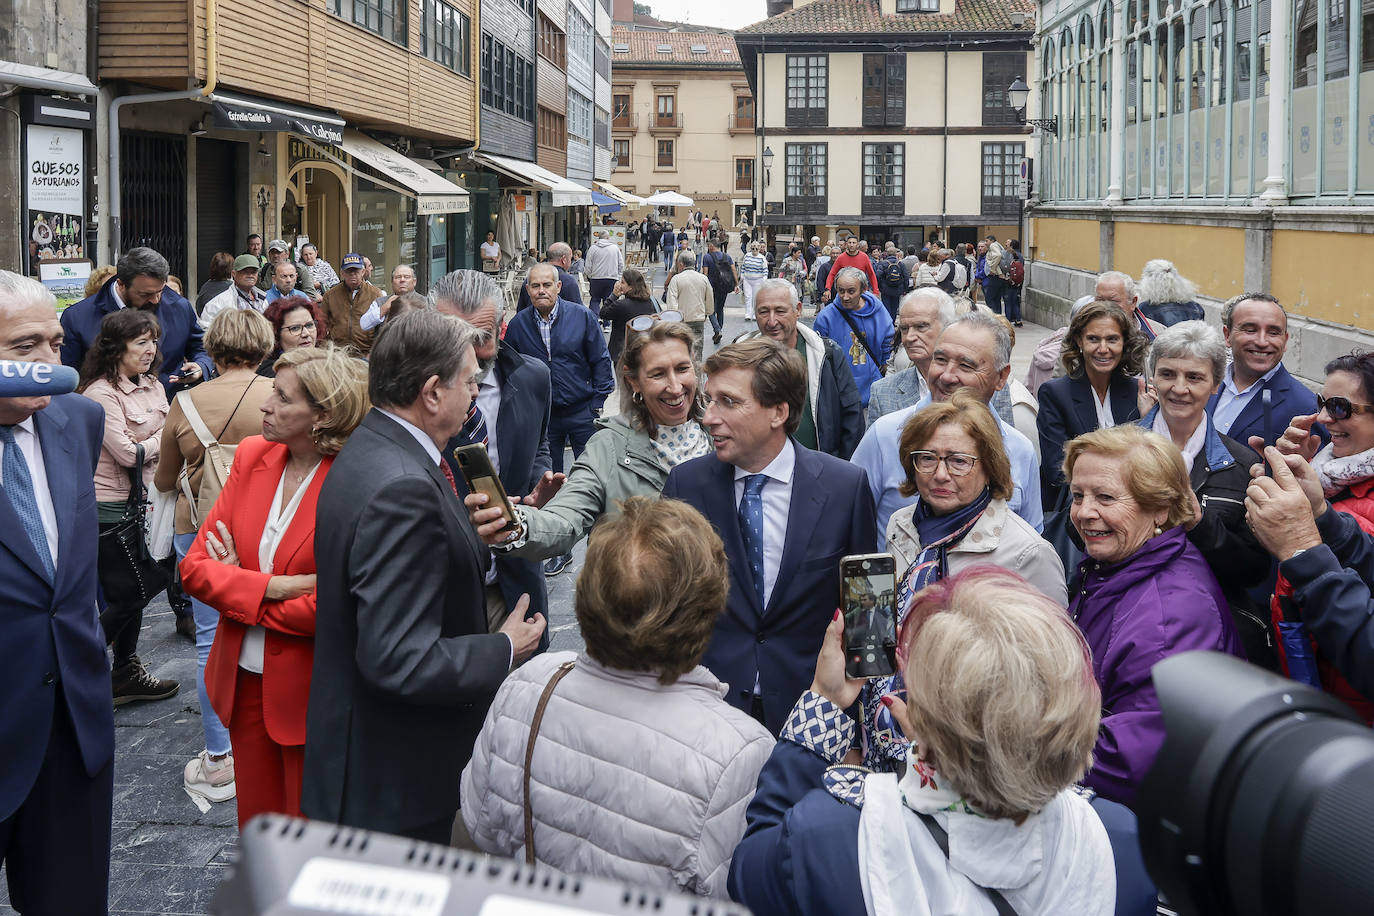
140, 282
1256, 330
404, 666
786, 514
56, 721
560, 256
510, 416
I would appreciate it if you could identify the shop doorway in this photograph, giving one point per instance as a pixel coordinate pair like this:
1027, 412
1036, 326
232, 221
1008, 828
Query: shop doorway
319, 195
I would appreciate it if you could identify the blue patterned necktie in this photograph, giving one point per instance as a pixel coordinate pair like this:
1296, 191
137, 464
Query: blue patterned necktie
475, 426
18, 486
751, 529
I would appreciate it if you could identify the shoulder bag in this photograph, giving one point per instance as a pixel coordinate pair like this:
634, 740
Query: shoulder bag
128, 573
215, 462
558, 675
863, 339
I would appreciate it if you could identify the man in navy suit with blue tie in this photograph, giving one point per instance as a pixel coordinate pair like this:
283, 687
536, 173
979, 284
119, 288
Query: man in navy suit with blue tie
787, 516
56, 720
1256, 330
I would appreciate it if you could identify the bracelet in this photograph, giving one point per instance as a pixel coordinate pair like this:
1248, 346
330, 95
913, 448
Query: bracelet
516, 538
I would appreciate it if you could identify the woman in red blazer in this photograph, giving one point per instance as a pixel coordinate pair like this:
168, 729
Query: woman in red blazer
254, 561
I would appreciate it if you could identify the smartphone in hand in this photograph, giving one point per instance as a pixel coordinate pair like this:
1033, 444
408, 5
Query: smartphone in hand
475, 465
868, 590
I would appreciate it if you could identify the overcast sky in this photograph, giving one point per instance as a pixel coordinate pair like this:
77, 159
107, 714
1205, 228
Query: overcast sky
730, 14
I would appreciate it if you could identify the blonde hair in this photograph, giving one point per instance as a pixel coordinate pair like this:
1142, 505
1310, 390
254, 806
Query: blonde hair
333, 382
1151, 466
1000, 690
654, 581
97, 278
239, 337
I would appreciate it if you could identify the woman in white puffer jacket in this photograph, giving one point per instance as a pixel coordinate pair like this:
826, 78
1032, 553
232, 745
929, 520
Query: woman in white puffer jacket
641, 771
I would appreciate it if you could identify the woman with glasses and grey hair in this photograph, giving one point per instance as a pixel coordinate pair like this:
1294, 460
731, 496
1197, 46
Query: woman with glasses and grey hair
1186, 366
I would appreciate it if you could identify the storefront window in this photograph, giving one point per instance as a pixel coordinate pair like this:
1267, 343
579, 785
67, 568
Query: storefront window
384, 229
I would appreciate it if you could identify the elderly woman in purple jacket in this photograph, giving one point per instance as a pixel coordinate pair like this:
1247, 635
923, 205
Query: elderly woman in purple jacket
1146, 593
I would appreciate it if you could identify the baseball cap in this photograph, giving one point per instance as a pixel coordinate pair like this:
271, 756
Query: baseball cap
353, 259
278, 245
245, 262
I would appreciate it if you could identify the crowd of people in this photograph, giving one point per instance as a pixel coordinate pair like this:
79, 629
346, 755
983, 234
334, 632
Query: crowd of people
370, 619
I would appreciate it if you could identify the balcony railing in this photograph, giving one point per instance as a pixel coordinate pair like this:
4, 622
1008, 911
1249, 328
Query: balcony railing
805, 206
666, 122
883, 205
627, 121
744, 182
741, 124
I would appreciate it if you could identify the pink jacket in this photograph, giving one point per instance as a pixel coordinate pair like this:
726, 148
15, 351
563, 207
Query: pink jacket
134, 415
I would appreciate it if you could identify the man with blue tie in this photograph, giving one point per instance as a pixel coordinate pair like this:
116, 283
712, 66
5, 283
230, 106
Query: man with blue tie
56, 720
786, 514
1256, 330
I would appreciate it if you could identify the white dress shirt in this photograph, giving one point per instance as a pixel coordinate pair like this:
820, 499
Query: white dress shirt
26, 438
777, 502
489, 402
1105, 420
278, 520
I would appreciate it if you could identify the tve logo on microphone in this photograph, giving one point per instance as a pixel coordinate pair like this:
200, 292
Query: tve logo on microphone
26, 380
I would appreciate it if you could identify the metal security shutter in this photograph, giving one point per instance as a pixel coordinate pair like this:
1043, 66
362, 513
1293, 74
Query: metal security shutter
153, 192
217, 201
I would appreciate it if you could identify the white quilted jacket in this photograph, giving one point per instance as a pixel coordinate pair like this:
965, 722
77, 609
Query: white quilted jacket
631, 780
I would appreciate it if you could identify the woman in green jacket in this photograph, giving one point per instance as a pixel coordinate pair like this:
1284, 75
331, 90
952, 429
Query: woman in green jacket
659, 427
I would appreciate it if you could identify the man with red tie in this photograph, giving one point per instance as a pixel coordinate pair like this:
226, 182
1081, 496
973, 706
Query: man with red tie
404, 666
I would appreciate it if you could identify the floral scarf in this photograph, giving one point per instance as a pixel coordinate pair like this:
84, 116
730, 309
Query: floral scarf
1338, 473
676, 444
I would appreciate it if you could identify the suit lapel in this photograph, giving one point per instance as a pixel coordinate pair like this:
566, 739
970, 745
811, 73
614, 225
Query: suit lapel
804, 514
1084, 406
1125, 406
302, 525
1252, 413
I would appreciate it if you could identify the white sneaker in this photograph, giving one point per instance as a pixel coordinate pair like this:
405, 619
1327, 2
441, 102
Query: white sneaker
212, 780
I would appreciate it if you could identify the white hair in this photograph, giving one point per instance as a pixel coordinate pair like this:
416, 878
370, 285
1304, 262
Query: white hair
1126, 280
939, 298
17, 290
779, 285
1160, 281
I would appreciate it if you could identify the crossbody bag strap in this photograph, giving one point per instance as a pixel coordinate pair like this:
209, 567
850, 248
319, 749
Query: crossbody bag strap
942, 840
558, 675
863, 339
134, 504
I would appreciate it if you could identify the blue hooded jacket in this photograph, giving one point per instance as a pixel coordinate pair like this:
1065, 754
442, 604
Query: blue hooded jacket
875, 324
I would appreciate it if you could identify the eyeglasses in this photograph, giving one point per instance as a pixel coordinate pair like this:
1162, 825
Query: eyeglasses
957, 463
726, 402
645, 322
1341, 408
298, 328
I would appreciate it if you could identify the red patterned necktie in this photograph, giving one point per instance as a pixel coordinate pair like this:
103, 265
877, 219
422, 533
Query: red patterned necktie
448, 475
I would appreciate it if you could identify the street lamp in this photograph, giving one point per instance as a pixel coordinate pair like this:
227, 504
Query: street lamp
767, 164
1018, 94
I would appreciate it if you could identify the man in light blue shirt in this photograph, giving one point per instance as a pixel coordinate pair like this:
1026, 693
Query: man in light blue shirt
973, 352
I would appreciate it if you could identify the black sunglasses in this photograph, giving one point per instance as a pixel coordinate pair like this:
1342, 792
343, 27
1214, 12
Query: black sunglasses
1341, 408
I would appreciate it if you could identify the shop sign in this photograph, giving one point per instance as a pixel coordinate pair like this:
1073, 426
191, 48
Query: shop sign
229, 116
54, 193
297, 150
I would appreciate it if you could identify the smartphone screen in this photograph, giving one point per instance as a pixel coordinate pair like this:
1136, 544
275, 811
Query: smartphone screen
868, 585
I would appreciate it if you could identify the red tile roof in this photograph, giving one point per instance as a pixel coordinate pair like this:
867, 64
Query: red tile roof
643, 49
864, 17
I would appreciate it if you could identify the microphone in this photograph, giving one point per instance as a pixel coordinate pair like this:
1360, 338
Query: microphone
35, 380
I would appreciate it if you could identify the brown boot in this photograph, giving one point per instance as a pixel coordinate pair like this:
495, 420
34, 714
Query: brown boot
132, 683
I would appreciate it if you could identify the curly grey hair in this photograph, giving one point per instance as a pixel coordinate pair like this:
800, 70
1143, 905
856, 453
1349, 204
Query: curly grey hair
1160, 281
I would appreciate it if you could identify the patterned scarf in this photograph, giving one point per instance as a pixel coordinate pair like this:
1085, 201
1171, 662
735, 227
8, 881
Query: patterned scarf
885, 746
1338, 473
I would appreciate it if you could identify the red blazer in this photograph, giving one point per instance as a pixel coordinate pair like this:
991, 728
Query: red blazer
237, 592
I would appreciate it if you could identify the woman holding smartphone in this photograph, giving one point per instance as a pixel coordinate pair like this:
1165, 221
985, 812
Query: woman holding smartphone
659, 427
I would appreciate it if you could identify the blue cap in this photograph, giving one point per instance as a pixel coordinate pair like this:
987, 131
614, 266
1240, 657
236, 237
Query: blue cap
353, 259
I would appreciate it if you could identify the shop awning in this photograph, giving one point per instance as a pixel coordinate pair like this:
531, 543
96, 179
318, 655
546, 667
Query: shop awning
45, 78
604, 203
240, 112
565, 193
625, 197
433, 194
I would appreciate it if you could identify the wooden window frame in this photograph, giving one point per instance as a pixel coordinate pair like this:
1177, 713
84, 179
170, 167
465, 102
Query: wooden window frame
616, 161
658, 154
806, 167
388, 19
884, 178
744, 177
1006, 157
807, 90
884, 90
999, 69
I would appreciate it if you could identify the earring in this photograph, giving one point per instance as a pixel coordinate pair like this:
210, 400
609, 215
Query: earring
1158, 531
637, 397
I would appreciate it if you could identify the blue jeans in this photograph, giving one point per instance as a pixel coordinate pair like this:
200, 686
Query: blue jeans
570, 431
207, 619
992, 293
1011, 302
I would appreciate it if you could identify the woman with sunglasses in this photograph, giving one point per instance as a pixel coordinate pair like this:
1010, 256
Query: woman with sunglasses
629, 299
1186, 366
659, 427
1346, 468
956, 466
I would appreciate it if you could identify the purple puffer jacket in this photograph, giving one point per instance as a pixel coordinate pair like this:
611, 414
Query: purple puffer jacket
1161, 601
